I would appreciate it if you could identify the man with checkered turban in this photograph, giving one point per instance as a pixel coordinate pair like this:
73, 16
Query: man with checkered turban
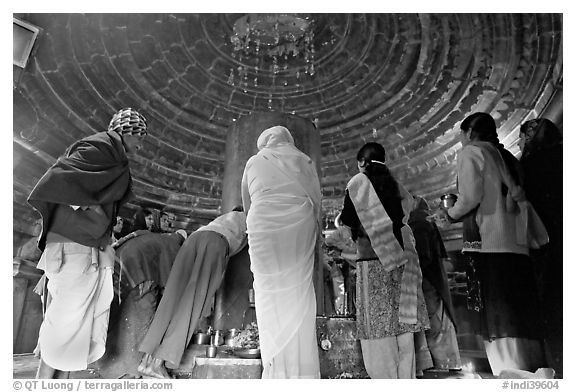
78, 199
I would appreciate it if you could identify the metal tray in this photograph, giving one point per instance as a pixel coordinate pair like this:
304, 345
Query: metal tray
247, 353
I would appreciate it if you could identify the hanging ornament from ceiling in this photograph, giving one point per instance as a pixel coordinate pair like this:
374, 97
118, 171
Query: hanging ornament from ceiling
272, 44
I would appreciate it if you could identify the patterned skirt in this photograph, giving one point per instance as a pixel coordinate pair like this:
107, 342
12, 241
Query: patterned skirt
377, 302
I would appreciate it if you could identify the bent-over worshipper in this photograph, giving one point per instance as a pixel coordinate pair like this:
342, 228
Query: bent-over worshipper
78, 199
196, 275
143, 263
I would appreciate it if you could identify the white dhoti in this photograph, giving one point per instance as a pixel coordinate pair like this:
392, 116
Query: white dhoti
282, 260
73, 333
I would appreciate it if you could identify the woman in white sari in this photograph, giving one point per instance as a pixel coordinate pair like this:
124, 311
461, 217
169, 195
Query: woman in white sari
281, 195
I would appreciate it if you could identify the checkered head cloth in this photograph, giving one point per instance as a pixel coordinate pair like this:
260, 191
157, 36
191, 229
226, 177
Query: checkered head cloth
128, 121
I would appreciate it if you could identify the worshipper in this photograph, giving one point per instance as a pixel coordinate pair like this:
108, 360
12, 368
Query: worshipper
118, 229
494, 211
139, 219
29, 255
150, 221
341, 247
29, 250
78, 199
341, 239
147, 219
281, 194
165, 222
143, 256
440, 339
542, 166
196, 274
390, 305
143, 263
153, 221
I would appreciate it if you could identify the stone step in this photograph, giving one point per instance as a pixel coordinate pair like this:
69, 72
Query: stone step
196, 365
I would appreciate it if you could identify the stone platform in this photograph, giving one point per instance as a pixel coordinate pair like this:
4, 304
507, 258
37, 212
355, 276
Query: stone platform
195, 364
338, 349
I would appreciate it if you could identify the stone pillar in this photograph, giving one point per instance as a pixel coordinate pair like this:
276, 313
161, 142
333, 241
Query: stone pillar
240, 146
554, 108
27, 306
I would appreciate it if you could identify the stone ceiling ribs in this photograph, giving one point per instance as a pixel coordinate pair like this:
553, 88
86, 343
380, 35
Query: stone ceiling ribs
404, 80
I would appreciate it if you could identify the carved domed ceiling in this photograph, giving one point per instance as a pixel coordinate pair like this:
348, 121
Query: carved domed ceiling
404, 80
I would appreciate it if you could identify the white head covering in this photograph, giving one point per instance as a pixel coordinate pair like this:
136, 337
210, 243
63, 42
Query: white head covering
274, 136
277, 144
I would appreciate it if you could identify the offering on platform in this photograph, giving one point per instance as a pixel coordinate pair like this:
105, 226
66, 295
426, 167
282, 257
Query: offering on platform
247, 344
247, 338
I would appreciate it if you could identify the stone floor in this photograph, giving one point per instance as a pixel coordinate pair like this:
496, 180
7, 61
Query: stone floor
225, 366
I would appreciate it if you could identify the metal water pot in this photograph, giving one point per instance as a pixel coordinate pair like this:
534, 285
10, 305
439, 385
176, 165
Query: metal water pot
448, 200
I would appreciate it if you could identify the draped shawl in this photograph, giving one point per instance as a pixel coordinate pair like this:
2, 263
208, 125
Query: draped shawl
378, 227
92, 171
